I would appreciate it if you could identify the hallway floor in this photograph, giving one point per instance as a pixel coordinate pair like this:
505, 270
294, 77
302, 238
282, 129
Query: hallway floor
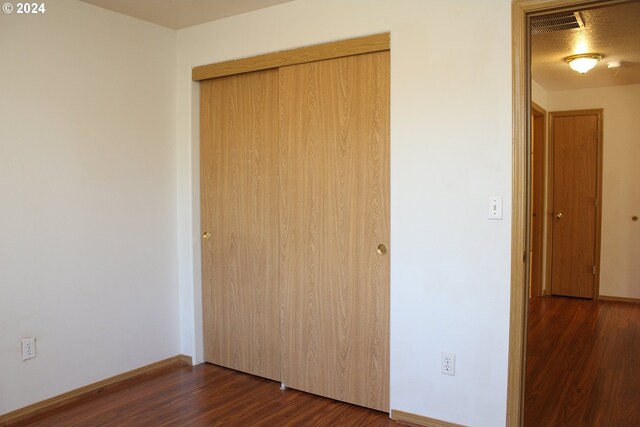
583, 363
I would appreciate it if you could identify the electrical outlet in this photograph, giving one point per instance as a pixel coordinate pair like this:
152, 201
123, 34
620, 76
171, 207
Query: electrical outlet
448, 364
28, 348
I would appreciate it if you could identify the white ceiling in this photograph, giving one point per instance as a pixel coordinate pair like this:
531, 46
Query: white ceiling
612, 31
179, 14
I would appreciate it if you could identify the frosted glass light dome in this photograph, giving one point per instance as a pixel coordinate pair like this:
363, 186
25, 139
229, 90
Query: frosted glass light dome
583, 62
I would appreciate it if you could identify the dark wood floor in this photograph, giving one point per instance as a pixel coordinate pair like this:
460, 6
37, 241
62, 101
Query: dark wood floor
207, 395
583, 369
583, 363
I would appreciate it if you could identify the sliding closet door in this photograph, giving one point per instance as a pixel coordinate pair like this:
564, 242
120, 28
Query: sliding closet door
334, 227
239, 150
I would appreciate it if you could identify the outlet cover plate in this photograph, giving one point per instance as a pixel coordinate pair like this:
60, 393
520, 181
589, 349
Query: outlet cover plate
28, 348
448, 364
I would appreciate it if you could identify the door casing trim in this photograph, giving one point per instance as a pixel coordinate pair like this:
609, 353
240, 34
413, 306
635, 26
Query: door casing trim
302, 55
541, 113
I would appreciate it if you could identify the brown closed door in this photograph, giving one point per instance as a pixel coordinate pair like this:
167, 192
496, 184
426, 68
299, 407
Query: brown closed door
575, 139
239, 148
334, 227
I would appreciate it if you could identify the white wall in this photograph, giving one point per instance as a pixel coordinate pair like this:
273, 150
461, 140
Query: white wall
450, 149
619, 266
88, 259
539, 95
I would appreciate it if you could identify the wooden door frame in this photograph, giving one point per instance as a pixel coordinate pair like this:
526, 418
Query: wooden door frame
521, 11
536, 110
549, 249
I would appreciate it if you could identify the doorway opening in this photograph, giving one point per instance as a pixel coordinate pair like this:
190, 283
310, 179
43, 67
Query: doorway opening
524, 281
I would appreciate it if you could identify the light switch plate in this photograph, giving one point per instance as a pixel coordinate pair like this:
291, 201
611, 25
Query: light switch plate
495, 207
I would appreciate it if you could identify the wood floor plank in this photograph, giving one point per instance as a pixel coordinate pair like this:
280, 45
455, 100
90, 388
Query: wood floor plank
582, 363
209, 395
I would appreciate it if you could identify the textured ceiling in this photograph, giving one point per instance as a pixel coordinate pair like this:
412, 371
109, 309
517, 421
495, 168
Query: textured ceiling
612, 31
179, 14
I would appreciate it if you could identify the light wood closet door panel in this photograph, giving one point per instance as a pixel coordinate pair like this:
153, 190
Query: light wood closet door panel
239, 149
334, 212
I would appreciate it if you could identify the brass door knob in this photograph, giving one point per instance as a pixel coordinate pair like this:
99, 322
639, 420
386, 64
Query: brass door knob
382, 249
559, 215
206, 235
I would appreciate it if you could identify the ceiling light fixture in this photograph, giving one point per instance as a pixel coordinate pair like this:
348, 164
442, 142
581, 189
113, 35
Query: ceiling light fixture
583, 62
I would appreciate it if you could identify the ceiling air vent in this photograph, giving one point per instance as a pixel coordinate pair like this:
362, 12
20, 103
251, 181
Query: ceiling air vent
557, 22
